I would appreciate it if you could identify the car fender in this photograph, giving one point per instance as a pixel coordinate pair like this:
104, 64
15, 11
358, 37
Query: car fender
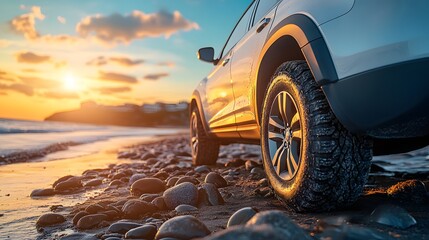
311, 43
310, 40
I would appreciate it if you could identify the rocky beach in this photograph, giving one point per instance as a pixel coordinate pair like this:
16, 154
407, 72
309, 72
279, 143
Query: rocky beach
154, 192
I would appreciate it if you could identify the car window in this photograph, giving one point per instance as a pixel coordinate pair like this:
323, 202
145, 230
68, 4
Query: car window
240, 30
263, 7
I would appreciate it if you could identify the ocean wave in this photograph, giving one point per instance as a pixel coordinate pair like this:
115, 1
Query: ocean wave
11, 126
16, 130
26, 155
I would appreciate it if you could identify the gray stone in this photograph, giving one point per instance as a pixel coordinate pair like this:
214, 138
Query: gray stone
93, 182
50, 219
203, 198
94, 208
185, 208
190, 179
213, 195
78, 216
122, 227
112, 214
90, 221
68, 185
241, 216
349, 232
146, 231
159, 203
184, 193
161, 175
116, 183
42, 192
136, 177
172, 181
182, 227
216, 179
147, 185
61, 179
112, 235
393, 216
281, 222
79, 236
148, 197
202, 169
117, 176
259, 232
135, 208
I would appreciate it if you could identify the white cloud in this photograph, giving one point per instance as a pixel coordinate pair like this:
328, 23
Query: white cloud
118, 28
37, 12
61, 19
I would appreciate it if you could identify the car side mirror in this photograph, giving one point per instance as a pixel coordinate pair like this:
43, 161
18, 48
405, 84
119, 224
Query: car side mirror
206, 54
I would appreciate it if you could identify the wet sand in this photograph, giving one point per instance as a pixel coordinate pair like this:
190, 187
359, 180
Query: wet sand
20, 211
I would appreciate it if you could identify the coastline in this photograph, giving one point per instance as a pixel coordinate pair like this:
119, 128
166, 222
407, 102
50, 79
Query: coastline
19, 211
33, 152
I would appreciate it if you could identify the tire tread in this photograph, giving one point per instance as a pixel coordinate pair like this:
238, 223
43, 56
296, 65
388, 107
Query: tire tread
340, 160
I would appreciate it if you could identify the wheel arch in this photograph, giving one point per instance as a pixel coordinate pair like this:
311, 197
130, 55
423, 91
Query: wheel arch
296, 37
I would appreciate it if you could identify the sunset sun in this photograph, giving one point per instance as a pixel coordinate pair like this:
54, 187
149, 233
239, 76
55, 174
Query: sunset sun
70, 82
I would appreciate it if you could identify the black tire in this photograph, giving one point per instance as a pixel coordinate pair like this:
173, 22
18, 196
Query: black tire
333, 163
205, 150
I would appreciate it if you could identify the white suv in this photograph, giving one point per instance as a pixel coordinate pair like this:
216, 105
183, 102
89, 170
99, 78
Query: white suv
320, 85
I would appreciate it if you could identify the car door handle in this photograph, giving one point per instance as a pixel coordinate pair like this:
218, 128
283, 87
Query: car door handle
264, 22
226, 61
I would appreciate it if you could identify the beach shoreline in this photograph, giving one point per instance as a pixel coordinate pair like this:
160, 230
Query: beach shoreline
19, 210
240, 166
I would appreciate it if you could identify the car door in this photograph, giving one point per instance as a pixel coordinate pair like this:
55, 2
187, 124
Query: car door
219, 99
245, 55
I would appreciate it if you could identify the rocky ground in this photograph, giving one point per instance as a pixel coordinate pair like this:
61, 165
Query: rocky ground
161, 195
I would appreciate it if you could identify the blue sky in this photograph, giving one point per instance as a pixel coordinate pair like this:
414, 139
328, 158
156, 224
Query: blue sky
165, 69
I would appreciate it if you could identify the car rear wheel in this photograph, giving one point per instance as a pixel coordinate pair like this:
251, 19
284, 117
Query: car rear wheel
312, 162
205, 150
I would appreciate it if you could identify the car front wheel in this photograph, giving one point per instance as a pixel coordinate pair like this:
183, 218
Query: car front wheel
312, 162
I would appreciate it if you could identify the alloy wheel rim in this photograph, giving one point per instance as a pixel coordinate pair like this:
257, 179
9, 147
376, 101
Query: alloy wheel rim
284, 136
194, 134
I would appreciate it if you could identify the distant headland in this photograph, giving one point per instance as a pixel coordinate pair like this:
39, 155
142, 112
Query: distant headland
146, 115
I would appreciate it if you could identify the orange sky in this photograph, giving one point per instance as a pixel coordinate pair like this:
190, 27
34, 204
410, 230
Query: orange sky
56, 55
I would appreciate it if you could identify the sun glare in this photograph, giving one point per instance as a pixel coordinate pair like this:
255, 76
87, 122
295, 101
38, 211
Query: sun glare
70, 82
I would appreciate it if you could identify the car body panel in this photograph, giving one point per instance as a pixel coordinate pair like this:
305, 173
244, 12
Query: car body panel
319, 11
383, 32
387, 102
245, 57
218, 98
380, 60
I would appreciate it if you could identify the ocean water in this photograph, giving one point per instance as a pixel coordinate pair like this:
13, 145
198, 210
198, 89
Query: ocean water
20, 136
93, 147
